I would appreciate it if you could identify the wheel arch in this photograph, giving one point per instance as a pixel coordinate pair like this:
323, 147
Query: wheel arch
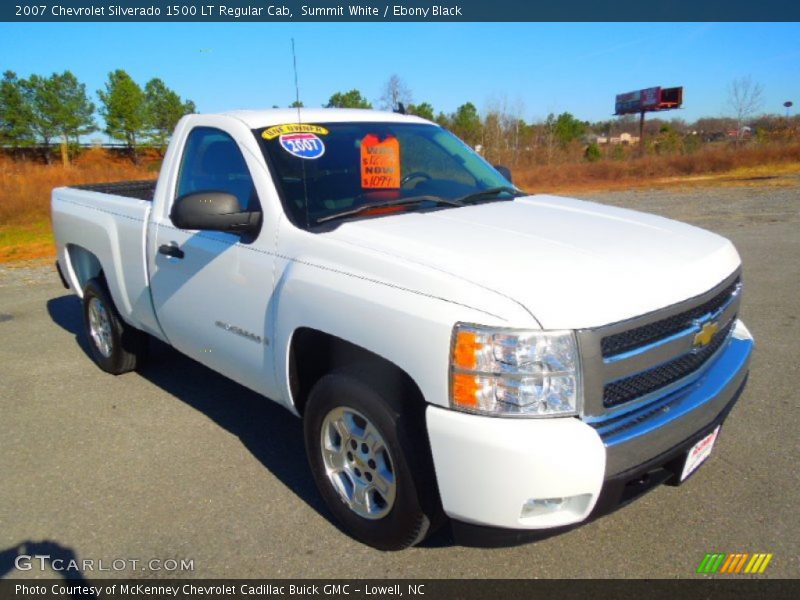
82, 265
314, 353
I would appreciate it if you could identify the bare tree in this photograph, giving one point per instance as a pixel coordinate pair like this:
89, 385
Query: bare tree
745, 98
501, 129
549, 137
394, 92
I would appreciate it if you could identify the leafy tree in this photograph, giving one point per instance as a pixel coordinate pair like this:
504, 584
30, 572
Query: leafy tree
58, 107
444, 120
45, 108
424, 110
395, 92
75, 114
568, 128
163, 109
466, 124
296, 104
15, 112
351, 99
124, 109
668, 139
42, 99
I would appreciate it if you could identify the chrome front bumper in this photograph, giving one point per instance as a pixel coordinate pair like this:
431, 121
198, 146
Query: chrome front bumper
636, 436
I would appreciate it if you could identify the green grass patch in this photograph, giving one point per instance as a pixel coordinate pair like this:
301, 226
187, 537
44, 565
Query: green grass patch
26, 242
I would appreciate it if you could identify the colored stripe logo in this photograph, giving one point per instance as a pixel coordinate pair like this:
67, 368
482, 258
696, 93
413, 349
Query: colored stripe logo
736, 563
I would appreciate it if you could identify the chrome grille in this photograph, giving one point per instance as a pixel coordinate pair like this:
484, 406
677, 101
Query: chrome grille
633, 363
653, 332
647, 382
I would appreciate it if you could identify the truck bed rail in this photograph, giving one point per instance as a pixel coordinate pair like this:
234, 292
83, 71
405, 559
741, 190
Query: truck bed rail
140, 190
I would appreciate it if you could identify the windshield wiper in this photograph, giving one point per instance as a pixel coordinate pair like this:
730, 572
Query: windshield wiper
398, 202
490, 192
424, 198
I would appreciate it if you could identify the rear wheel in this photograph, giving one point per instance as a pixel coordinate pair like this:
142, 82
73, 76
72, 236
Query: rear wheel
115, 346
366, 455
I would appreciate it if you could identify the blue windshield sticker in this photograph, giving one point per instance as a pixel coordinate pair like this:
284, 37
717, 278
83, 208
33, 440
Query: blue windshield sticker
302, 145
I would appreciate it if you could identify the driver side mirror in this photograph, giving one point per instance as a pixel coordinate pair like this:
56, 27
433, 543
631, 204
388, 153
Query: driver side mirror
504, 171
214, 211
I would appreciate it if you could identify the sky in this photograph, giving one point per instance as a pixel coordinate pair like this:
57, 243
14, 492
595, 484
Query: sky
532, 68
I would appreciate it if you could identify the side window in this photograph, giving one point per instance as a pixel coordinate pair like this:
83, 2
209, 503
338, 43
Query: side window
213, 162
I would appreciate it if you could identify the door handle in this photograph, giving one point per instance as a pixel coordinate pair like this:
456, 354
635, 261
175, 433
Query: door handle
171, 250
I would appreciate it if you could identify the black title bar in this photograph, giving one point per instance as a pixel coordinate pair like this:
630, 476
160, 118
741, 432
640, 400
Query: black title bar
420, 589
409, 10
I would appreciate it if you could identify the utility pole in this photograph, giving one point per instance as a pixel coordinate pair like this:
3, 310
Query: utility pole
641, 133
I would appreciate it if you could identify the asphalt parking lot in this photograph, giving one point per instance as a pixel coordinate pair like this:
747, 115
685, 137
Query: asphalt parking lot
176, 462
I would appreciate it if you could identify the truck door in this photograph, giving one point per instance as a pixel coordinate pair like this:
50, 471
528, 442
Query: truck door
211, 290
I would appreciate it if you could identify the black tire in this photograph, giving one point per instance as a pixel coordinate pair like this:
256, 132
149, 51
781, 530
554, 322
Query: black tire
416, 509
127, 345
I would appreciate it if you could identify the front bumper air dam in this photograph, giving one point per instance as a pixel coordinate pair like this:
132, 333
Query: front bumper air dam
488, 467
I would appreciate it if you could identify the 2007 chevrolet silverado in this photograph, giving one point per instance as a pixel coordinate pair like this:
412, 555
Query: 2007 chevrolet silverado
456, 348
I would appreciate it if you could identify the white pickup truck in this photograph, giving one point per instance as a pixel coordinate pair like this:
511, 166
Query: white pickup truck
456, 348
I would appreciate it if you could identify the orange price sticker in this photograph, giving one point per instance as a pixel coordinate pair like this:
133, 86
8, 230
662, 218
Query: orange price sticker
380, 163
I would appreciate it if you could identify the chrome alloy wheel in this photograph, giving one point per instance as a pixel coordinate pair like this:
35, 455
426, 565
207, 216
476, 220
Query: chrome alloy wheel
100, 327
358, 463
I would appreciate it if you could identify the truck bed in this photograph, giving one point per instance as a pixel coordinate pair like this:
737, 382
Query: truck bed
140, 190
105, 226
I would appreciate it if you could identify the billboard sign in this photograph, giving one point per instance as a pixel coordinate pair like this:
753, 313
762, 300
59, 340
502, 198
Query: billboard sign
631, 102
648, 99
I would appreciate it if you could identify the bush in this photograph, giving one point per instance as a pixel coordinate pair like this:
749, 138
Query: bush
592, 152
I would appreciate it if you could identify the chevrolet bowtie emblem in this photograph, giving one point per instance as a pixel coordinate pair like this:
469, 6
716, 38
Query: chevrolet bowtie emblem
705, 335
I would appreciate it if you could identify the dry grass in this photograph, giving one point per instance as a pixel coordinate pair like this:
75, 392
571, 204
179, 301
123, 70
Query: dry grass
25, 186
652, 169
25, 189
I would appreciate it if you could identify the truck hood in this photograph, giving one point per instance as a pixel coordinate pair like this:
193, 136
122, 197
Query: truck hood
572, 264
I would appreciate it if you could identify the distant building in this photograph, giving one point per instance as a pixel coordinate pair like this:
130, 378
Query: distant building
623, 139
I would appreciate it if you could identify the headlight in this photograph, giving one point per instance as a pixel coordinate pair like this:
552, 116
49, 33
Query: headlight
507, 372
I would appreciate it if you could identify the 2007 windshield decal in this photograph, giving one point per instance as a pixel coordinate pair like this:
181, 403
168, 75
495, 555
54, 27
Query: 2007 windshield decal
302, 145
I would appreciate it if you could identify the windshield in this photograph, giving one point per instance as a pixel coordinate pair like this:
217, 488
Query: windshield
340, 167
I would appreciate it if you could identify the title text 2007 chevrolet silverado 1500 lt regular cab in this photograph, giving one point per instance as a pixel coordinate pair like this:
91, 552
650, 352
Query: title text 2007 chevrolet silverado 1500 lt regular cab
454, 346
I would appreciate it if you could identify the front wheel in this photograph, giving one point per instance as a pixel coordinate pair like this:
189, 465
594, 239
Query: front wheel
367, 458
115, 346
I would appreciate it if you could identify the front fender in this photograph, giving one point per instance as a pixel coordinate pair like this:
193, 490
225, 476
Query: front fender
408, 328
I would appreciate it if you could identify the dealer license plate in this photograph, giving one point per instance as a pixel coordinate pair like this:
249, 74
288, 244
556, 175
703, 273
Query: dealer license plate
699, 453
